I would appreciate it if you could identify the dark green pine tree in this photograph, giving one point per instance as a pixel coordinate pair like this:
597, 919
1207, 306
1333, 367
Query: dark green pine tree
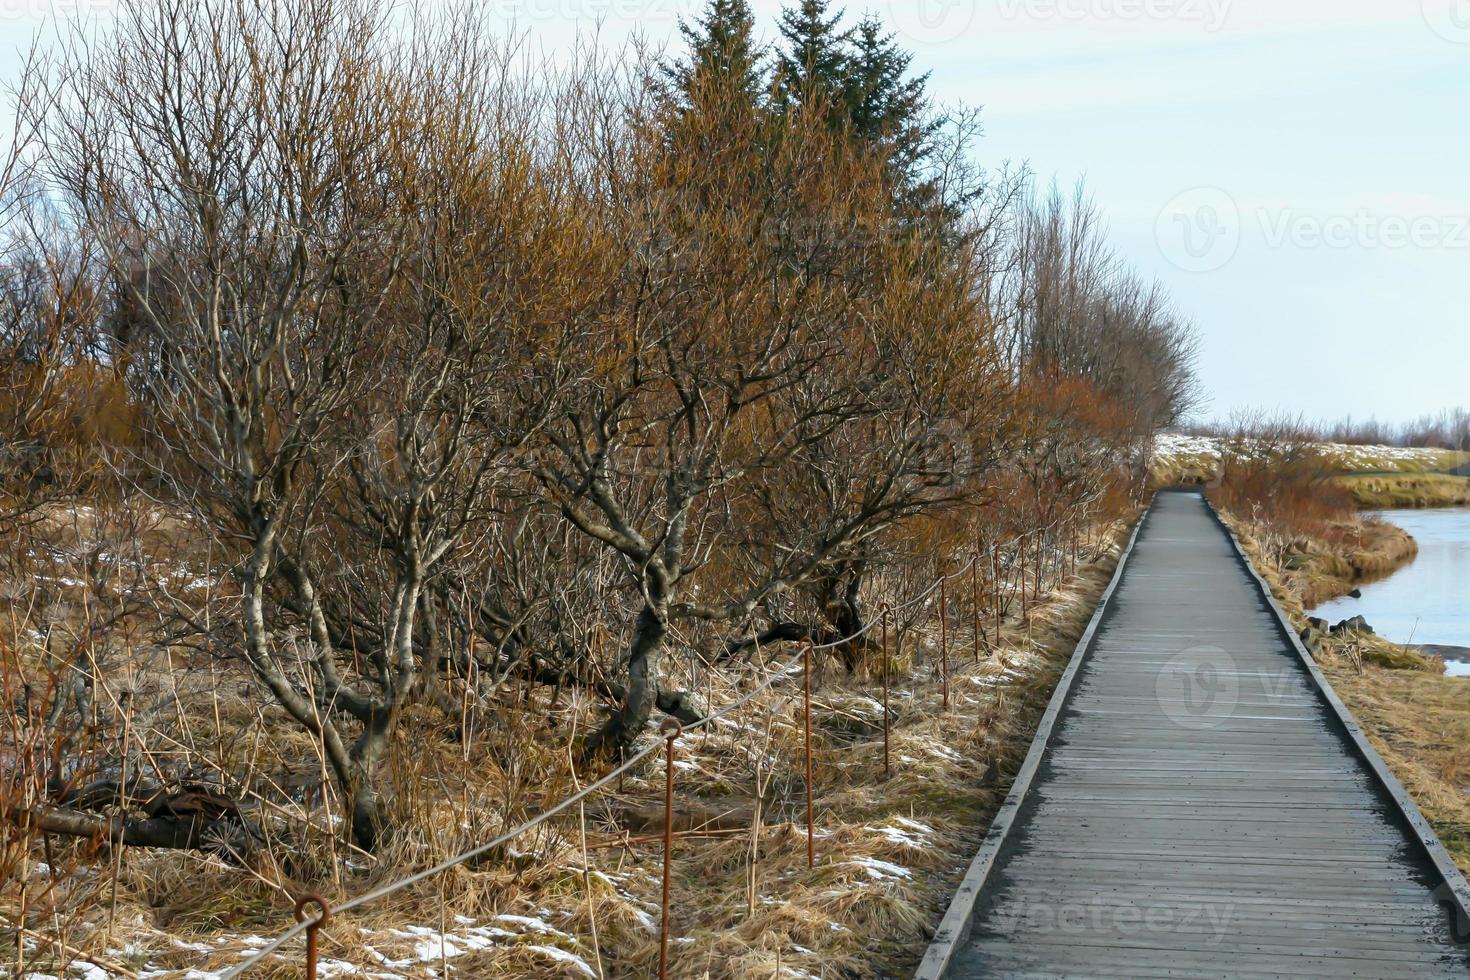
884, 106
812, 67
722, 52
881, 99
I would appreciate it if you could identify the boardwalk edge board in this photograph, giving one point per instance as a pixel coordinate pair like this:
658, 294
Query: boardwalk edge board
954, 928
1454, 891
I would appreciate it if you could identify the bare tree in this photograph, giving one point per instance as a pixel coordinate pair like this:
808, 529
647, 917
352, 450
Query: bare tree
335, 245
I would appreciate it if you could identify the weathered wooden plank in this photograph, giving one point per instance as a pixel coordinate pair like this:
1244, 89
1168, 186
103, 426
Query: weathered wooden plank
1194, 767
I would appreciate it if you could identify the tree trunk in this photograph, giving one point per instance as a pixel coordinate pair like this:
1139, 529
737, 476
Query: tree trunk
230, 838
844, 611
620, 731
367, 816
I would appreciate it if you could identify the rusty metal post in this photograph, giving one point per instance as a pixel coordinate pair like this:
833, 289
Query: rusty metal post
312, 898
671, 730
811, 844
995, 587
975, 597
944, 643
886, 771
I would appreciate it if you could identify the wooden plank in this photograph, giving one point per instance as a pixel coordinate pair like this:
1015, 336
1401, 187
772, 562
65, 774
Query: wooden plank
1192, 759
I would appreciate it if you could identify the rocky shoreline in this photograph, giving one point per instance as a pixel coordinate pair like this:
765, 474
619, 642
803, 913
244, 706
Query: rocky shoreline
1444, 652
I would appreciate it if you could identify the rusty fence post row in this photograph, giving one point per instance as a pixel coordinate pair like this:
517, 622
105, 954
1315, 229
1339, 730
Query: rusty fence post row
671, 730
312, 898
811, 845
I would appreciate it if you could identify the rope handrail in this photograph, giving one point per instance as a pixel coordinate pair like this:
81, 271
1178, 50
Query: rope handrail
384, 890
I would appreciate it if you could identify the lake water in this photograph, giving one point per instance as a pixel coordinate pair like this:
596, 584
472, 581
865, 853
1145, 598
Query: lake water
1427, 601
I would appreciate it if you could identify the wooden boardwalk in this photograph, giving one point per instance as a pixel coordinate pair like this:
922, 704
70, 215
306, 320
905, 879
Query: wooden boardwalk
1198, 803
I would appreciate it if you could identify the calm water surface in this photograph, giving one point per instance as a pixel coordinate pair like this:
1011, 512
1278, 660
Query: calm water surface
1427, 601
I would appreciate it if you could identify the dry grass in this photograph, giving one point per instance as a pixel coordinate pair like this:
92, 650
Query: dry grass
1314, 566
1420, 723
582, 894
1359, 458
1384, 492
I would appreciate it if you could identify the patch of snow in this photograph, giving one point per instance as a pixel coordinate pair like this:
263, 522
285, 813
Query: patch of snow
438, 947
535, 924
881, 870
942, 751
562, 956
895, 835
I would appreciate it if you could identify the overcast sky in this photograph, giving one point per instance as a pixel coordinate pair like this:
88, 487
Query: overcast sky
1296, 172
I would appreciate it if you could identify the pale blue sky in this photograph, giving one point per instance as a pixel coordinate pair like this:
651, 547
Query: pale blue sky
1294, 171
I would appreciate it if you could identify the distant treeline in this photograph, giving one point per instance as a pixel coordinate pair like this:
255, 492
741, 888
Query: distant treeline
1448, 429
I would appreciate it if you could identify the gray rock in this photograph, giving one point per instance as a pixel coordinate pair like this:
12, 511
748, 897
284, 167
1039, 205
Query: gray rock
1355, 625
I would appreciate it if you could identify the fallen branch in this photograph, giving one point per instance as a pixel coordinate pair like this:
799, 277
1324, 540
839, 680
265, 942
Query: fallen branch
227, 837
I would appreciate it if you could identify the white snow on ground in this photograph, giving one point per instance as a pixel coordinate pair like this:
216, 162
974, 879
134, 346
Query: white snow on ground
536, 925
913, 834
429, 946
1169, 446
942, 751
881, 870
563, 956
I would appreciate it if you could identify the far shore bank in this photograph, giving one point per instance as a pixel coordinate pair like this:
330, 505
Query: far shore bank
1460, 654
1403, 491
1343, 556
